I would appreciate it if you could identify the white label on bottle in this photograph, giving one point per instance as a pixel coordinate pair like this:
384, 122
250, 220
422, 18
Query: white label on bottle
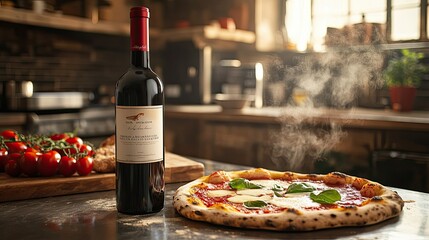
139, 134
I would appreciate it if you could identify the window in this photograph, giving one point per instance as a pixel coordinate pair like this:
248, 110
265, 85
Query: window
405, 20
308, 21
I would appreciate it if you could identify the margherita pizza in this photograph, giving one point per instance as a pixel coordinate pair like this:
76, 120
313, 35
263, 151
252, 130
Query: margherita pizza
286, 201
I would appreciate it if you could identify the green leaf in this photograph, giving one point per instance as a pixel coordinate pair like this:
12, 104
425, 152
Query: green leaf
299, 188
277, 188
241, 183
278, 194
255, 204
329, 196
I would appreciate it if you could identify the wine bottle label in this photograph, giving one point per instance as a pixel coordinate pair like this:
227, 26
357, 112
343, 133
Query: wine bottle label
139, 134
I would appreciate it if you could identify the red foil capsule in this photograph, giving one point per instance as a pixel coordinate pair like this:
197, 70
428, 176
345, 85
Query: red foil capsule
139, 27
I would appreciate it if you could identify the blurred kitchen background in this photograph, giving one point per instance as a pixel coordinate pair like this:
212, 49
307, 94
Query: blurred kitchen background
60, 60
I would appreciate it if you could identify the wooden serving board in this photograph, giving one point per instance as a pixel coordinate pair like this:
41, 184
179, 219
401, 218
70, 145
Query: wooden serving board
178, 169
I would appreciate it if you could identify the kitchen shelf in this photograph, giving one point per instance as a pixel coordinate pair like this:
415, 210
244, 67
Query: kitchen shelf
58, 21
208, 35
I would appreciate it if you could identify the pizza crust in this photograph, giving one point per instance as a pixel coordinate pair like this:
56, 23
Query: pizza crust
381, 207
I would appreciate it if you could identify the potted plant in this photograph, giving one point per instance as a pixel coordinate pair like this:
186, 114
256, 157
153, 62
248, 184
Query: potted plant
402, 76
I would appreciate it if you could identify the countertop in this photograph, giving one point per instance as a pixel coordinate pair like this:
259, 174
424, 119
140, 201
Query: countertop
94, 216
353, 117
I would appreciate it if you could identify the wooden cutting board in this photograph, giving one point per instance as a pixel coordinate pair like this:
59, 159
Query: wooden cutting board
178, 169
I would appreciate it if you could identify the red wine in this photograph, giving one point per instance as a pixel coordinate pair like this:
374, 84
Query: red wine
139, 127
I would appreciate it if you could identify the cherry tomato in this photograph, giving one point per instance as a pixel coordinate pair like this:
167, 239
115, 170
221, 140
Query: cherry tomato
87, 149
14, 156
28, 163
48, 163
16, 147
32, 149
12, 168
84, 165
75, 144
67, 166
59, 136
77, 141
3, 158
10, 135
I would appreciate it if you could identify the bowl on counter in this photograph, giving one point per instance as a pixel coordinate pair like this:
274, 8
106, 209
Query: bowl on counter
232, 101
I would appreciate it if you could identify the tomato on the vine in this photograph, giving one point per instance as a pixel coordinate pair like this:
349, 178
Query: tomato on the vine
87, 149
84, 165
9, 135
28, 163
48, 163
77, 141
59, 136
3, 158
16, 147
12, 168
67, 166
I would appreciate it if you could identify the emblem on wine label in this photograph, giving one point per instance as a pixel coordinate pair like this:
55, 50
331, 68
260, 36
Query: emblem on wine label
135, 117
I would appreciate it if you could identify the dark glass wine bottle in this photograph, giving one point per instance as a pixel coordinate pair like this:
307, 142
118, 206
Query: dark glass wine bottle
139, 127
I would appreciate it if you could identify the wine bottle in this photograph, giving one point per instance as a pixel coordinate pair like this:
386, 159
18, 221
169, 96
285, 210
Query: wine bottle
139, 132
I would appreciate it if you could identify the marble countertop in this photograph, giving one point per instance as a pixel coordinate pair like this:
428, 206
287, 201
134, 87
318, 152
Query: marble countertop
94, 216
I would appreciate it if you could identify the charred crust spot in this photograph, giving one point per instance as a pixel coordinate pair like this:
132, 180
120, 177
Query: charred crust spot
348, 214
333, 215
227, 222
290, 220
244, 218
315, 219
194, 202
376, 198
199, 213
350, 207
394, 210
269, 223
303, 221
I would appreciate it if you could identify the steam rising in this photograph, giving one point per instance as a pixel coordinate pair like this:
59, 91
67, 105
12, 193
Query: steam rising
333, 79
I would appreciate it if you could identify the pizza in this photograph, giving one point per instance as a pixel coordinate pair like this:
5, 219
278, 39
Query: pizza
286, 201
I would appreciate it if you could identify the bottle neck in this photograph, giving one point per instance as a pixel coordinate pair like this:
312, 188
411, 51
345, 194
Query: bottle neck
140, 59
139, 40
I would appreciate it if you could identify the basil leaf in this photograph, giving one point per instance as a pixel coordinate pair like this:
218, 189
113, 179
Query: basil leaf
299, 188
278, 194
277, 188
255, 204
241, 183
326, 197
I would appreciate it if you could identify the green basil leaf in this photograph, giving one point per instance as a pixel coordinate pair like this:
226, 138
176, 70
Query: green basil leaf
277, 188
241, 183
255, 204
278, 194
299, 188
329, 196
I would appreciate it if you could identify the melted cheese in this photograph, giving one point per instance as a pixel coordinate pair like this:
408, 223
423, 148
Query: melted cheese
294, 200
255, 192
269, 184
246, 198
220, 193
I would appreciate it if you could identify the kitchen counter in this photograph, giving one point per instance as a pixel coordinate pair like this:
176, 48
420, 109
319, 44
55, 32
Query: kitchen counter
354, 117
94, 216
